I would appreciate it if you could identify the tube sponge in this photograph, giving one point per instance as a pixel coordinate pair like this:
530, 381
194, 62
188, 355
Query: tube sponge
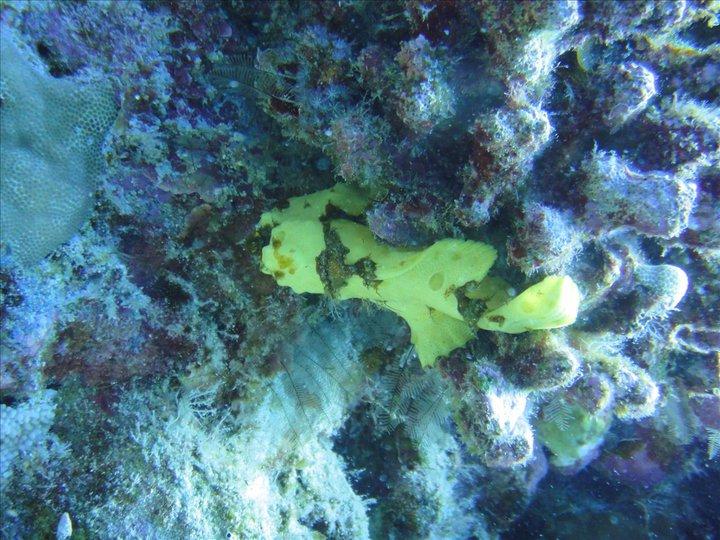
436, 290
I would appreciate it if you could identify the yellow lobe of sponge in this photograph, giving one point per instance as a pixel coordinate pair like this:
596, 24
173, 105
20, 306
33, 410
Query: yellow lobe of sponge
552, 303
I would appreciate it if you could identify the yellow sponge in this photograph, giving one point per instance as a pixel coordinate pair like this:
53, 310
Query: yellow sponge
552, 303
290, 257
338, 257
350, 200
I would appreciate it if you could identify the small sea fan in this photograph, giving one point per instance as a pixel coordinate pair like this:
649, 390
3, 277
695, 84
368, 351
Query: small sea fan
557, 412
713, 443
417, 400
319, 377
241, 72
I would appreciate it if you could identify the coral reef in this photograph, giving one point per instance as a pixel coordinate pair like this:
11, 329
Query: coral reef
319, 269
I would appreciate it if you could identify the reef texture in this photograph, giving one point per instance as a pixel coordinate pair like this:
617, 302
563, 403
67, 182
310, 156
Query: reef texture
158, 381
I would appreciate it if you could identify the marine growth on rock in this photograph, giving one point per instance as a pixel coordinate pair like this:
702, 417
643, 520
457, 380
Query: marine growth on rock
316, 269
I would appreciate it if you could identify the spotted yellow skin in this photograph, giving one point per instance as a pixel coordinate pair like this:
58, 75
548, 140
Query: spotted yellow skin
418, 285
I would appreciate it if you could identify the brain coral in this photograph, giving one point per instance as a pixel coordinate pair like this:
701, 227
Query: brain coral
51, 132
